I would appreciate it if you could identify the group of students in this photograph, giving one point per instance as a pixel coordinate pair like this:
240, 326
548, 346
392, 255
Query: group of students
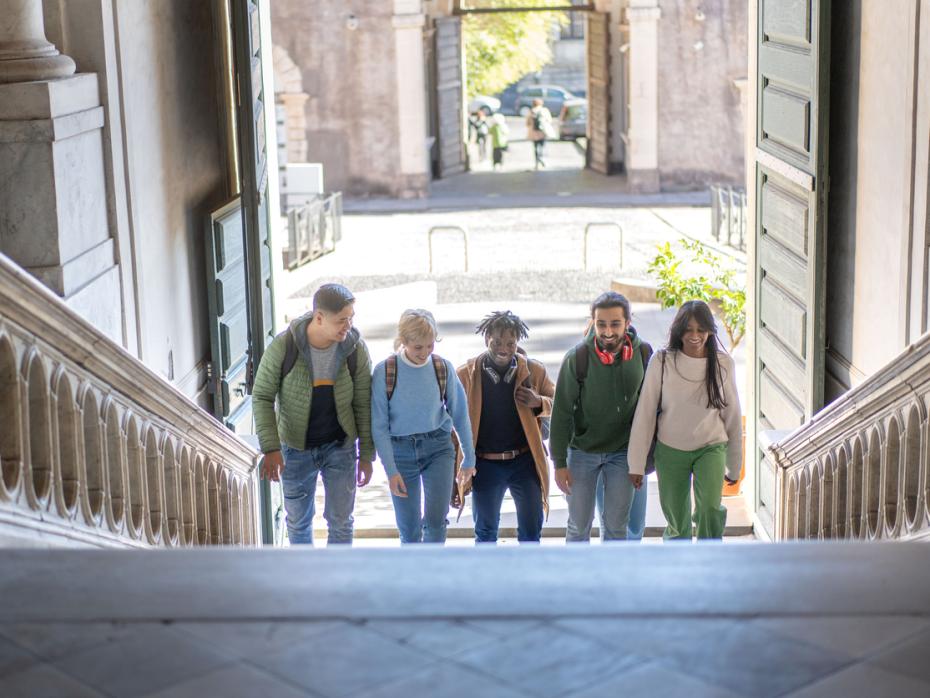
617, 410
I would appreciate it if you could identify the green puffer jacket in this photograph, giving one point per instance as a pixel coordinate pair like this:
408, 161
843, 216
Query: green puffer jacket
353, 399
598, 418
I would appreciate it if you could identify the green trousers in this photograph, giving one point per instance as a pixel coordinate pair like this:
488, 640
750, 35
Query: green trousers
676, 469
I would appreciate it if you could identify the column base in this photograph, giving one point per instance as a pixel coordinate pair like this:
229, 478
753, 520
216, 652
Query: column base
32, 69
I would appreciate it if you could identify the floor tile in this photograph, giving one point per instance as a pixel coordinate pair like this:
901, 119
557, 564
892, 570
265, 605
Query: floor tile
864, 680
344, 661
233, 681
52, 641
445, 679
546, 660
654, 680
446, 639
245, 640
855, 636
43, 681
149, 659
13, 657
910, 657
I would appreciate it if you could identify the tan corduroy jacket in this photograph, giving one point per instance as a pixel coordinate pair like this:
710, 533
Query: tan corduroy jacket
529, 372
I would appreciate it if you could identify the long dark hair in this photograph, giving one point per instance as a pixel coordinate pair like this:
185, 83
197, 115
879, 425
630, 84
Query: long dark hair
700, 312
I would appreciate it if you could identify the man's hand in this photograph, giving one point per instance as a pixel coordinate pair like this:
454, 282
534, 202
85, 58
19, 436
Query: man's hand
465, 476
637, 480
363, 473
563, 478
527, 396
272, 465
398, 488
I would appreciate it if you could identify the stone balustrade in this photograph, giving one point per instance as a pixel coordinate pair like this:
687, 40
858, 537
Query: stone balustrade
859, 469
97, 449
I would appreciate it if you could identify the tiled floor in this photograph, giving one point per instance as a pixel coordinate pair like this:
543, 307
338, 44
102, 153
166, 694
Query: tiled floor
692, 621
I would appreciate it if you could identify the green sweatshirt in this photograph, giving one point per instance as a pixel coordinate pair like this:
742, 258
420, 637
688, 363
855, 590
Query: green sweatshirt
294, 393
598, 417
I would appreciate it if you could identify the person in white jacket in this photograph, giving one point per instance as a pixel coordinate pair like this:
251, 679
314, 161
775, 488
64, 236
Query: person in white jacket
690, 406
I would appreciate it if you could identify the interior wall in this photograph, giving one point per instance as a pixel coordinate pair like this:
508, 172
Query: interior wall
869, 230
176, 175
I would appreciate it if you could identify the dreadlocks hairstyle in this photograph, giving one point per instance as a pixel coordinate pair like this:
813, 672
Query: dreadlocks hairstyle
502, 320
700, 312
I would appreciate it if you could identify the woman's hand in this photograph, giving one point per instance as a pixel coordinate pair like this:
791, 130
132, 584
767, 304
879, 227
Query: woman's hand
465, 476
398, 488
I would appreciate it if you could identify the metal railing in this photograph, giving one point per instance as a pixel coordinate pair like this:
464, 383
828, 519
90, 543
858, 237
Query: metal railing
313, 229
728, 215
600, 224
452, 228
859, 468
97, 449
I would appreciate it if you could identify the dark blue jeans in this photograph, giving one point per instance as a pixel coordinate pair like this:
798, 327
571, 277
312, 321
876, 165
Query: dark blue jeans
491, 482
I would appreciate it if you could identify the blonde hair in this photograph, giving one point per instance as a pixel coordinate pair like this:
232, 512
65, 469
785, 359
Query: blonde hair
414, 324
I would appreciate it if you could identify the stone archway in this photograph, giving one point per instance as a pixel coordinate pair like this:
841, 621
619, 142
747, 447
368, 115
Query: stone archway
290, 99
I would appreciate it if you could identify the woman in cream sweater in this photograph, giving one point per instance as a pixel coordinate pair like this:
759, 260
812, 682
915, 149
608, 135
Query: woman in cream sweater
689, 402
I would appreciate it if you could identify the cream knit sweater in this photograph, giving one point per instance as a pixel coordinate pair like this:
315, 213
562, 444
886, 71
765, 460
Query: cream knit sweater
686, 422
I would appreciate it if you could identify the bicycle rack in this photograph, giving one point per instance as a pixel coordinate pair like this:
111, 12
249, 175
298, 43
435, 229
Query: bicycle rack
601, 224
447, 227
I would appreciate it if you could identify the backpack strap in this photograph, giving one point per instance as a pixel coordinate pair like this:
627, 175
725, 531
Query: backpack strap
442, 376
290, 354
390, 375
581, 363
352, 362
645, 350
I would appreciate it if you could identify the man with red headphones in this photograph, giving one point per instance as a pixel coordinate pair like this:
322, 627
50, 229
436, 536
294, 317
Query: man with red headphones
592, 415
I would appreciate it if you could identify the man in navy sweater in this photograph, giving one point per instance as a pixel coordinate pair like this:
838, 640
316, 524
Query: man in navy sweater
508, 397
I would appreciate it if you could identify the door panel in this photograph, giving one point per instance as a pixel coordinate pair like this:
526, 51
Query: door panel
450, 95
791, 189
598, 60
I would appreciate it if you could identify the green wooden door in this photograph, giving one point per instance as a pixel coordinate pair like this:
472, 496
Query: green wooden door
791, 189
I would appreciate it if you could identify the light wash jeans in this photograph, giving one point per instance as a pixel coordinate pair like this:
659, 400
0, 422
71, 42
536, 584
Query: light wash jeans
585, 469
637, 524
428, 459
336, 463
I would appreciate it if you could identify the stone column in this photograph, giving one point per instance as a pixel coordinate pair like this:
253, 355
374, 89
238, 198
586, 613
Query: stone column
408, 22
25, 53
643, 153
53, 194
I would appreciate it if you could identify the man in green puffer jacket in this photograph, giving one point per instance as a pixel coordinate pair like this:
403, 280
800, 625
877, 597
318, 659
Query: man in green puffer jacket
592, 416
319, 371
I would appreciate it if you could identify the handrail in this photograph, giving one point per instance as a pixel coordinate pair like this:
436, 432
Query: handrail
97, 448
859, 468
601, 224
429, 237
313, 229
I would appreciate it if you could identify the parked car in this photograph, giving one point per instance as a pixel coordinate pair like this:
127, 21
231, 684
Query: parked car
552, 96
573, 119
508, 99
489, 105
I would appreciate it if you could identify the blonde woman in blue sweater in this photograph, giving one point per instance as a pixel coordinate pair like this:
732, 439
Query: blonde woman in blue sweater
416, 401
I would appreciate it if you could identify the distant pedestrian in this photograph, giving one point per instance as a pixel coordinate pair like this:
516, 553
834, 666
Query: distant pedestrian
416, 401
538, 129
692, 387
499, 132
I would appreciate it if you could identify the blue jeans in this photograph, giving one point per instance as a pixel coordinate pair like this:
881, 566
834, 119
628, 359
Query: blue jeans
336, 463
428, 459
637, 524
487, 494
585, 469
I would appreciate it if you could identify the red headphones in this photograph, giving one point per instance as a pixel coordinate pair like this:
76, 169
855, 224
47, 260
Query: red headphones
607, 358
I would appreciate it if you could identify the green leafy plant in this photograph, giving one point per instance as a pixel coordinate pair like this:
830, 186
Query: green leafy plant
696, 273
500, 48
